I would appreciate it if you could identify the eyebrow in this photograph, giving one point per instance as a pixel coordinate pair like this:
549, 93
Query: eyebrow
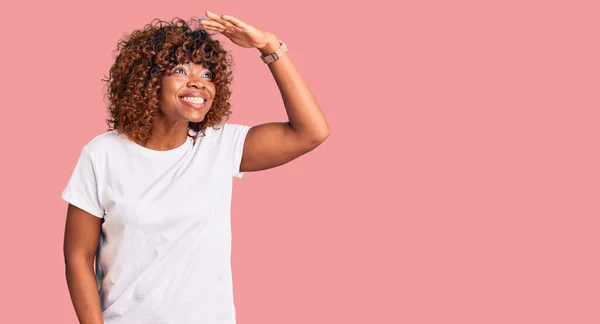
190, 64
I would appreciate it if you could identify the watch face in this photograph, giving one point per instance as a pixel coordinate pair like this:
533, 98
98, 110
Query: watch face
282, 49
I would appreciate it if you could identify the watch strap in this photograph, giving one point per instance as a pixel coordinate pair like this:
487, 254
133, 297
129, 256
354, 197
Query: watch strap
270, 58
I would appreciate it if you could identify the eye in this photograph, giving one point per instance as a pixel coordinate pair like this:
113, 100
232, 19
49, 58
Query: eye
208, 75
179, 70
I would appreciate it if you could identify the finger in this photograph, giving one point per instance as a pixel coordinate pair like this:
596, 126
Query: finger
218, 19
234, 21
220, 30
209, 24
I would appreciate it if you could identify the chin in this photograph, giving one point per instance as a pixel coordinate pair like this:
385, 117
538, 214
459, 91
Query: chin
196, 119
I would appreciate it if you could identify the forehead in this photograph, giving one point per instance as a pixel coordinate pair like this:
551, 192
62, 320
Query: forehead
192, 65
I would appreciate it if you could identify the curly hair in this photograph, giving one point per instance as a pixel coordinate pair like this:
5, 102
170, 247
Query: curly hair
146, 55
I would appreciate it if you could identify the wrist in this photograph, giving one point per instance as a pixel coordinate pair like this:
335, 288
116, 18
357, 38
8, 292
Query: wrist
271, 46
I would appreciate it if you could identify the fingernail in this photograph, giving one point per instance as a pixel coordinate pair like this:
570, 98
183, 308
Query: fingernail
202, 18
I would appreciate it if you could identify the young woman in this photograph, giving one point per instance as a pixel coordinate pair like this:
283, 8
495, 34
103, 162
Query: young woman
150, 200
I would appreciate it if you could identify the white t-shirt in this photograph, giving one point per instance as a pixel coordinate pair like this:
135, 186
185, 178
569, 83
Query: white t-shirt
164, 255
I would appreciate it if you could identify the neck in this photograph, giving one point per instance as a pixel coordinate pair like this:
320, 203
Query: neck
167, 135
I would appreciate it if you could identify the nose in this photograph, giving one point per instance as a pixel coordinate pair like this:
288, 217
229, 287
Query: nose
196, 83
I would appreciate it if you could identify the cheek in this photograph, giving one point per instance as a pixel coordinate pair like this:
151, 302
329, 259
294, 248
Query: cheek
213, 89
171, 84
168, 88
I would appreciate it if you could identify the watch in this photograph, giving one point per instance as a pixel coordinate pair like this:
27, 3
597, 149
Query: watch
270, 58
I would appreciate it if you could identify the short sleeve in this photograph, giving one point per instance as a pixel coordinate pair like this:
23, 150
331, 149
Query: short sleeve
82, 188
238, 137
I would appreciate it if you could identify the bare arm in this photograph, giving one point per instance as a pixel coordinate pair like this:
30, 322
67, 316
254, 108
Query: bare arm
82, 232
273, 144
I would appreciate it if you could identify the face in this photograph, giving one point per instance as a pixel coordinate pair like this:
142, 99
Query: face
187, 94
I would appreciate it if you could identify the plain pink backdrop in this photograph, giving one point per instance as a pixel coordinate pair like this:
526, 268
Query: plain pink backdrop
460, 183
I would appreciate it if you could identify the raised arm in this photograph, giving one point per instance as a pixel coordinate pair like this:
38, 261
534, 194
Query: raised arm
273, 144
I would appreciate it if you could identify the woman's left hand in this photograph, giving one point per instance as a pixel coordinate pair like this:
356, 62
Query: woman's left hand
239, 32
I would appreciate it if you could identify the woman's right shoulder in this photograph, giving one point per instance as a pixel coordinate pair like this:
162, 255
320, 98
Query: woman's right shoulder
103, 142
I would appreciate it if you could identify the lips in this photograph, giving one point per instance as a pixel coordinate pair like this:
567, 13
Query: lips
194, 95
193, 104
193, 99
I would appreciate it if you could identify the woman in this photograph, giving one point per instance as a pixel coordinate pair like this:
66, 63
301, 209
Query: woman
150, 199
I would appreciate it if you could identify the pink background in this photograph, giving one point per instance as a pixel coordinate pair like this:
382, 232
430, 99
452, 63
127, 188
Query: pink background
460, 183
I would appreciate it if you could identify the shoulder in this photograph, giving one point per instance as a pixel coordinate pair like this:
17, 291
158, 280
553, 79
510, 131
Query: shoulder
224, 129
103, 142
225, 132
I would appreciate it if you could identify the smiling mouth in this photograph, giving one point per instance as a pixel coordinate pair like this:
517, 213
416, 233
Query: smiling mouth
193, 100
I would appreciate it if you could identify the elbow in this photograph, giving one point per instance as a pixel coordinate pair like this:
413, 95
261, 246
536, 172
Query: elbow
319, 138
323, 136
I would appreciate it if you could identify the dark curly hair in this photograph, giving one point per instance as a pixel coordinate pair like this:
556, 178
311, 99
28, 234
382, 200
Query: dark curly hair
147, 54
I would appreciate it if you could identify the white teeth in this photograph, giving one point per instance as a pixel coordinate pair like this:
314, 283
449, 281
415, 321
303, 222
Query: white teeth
193, 100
